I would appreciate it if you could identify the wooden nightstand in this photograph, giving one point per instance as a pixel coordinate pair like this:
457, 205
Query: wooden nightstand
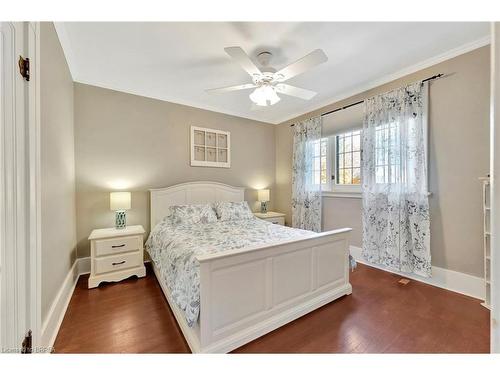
116, 254
273, 217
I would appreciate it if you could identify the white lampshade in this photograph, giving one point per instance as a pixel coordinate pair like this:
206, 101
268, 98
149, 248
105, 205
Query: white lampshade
263, 195
119, 200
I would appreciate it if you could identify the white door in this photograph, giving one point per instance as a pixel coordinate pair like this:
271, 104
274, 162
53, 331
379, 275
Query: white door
18, 285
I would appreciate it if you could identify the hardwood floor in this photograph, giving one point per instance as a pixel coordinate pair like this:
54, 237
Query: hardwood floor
381, 316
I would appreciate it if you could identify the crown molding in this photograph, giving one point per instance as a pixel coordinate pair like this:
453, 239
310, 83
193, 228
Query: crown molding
394, 76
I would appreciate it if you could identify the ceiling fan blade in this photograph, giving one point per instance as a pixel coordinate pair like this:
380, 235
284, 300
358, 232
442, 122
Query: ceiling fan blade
316, 57
290, 90
243, 59
221, 90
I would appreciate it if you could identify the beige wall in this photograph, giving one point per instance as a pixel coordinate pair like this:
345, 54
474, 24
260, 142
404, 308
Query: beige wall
58, 212
133, 143
459, 149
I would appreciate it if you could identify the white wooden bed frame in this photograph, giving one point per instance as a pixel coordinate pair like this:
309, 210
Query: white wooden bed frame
249, 292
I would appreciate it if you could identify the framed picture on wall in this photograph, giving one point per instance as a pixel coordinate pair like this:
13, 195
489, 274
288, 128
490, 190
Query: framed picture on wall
210, 148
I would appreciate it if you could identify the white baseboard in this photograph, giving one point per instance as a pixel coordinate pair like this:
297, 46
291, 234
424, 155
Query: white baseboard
462, 283
52, 323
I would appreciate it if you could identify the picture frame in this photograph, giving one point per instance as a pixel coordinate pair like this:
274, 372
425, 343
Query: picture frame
210, 148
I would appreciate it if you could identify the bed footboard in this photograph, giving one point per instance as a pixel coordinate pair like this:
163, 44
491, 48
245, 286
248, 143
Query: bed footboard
250, 292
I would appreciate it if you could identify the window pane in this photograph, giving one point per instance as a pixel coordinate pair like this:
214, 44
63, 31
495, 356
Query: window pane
380, 156
316, 148
356, 142
379, 175
356, 159
348, 160
340, 177
356, 176
341, 161
347, 144
323, 147
316, 164
348, 176
316, 179
394, 169
323, 176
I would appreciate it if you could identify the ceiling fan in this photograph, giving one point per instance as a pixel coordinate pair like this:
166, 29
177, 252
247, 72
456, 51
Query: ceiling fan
269, 82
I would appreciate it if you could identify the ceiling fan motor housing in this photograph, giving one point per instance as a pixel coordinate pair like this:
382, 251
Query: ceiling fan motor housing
264, 58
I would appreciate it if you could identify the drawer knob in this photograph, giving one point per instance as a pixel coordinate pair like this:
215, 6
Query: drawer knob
115, 246
117, 263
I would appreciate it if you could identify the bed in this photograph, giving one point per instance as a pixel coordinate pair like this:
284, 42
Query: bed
240, 279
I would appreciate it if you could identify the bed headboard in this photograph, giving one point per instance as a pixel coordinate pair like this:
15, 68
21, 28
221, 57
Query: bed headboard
191, 193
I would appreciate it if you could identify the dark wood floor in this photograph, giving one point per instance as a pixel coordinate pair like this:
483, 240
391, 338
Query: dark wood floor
381, 316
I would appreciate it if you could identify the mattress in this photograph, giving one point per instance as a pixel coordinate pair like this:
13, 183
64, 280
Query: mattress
174, 247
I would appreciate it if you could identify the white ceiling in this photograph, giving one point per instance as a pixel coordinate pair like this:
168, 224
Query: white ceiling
176, 61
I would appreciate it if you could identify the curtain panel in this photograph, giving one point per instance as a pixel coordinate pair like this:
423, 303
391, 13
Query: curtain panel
306, 195
396, 223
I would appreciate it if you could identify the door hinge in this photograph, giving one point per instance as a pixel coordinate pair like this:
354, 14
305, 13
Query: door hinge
27, 346
24, 67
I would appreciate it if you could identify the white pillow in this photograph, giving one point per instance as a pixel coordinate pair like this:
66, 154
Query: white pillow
230, 211
193, 214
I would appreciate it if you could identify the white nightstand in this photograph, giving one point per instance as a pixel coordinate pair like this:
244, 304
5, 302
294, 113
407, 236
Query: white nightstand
273, 217
116, 254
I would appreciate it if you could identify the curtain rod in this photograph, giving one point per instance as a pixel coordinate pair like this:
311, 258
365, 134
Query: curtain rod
361, 101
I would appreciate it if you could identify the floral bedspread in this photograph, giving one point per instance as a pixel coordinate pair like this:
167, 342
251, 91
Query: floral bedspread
173, 248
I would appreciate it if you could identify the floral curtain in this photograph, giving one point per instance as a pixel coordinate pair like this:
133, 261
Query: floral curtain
396, 225
306, 192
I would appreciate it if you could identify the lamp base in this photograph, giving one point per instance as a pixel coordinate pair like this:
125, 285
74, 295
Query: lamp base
120, 219
263, 207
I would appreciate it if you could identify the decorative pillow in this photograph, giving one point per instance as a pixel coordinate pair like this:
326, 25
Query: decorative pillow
193, 214
230, 211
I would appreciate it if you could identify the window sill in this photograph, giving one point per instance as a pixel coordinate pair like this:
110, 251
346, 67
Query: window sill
350, 194
341, 194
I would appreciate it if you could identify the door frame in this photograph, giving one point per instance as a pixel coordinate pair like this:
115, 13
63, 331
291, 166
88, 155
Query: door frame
35, 240
495, 186
20, 226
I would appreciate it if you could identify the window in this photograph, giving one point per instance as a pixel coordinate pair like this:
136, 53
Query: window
348, 158
337, 162
320, 162
337, 159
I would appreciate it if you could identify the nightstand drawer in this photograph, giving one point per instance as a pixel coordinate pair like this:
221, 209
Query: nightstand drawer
117, 245
118, 262
276, 220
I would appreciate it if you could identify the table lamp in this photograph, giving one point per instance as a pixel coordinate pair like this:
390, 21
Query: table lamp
263, 198
119, 201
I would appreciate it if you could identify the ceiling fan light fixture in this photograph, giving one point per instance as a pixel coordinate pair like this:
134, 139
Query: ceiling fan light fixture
264, 95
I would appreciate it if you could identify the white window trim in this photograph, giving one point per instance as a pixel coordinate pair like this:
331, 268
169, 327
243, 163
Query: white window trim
342, 194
